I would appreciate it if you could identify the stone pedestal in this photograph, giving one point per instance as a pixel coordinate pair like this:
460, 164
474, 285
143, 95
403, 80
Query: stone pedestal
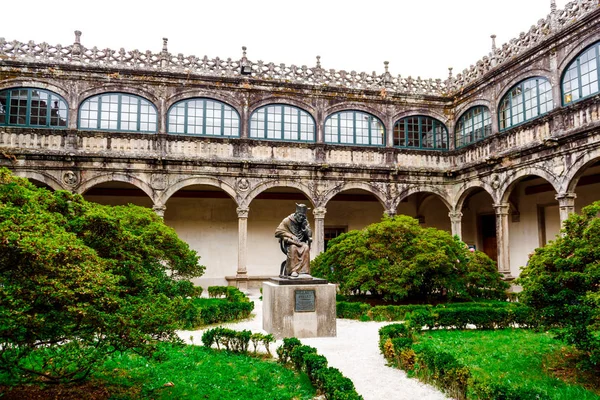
301, 309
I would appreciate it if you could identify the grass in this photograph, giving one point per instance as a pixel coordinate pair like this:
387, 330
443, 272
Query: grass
184, 372
520, 356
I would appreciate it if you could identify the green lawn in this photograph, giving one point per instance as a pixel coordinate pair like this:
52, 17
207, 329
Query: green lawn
184, 372
200, 373
511, 356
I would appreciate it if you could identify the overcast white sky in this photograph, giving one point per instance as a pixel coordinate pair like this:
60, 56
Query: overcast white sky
418, 37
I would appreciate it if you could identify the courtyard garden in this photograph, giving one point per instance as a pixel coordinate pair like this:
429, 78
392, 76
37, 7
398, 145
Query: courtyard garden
94, 300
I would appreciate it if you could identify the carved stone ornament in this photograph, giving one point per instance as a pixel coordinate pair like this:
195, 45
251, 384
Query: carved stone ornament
70, 178
495, 182
243, 185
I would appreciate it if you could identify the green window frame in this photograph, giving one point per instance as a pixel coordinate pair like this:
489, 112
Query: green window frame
581, 77
121, 112
354, 128
474, 125
420, 132
282, 122
203, 117
527, 100
34, 108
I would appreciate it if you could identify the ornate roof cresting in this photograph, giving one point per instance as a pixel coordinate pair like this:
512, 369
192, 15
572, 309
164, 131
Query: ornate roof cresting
315, 76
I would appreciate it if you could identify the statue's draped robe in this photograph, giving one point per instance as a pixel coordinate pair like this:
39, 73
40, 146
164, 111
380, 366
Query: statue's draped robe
298, 257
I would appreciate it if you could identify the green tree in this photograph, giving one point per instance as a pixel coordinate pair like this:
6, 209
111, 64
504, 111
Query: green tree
79, 281
562, 281
397, 259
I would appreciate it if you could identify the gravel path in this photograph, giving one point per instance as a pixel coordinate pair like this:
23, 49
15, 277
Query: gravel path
354, 352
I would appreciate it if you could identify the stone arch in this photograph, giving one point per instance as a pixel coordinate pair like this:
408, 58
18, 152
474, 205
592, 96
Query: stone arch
460, 110
84, 186
577, 169
507, 186
43, 177
261, 187
114, 88
466, 189
283, 101
442, 194
422, 111
574, 52
330, 194
189, 94
353, 106
508, 85
196, 180
36, 84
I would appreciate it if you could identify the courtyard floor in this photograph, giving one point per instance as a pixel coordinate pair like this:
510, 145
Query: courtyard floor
354, 352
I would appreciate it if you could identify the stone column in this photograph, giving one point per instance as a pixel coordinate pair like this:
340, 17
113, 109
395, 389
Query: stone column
456, 223
566, 205
319, 234
503, 238
241, 274
390, 213
159, 209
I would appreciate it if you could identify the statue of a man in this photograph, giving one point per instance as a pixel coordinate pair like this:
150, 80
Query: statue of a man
296, 236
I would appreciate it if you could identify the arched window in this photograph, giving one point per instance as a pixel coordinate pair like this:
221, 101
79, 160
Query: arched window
354, 127
32, 107
472, 126
525, 101
580, 79
282, 122
117, 112
204, 117
421, 132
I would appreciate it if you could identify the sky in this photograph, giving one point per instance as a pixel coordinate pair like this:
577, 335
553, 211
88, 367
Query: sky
418, 37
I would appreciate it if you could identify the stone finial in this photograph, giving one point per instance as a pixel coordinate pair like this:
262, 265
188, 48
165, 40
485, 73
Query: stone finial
553, 6
244, 48
164, 49
318, 61
76, 49
493, 42
386, 65
450, 73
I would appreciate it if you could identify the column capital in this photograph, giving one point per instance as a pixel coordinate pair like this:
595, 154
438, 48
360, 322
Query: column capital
242, 212
390, 213
566, 197
501, 208
455, 215
319, 212
159, 209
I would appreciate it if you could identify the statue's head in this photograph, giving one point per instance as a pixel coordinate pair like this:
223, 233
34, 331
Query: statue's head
300, 213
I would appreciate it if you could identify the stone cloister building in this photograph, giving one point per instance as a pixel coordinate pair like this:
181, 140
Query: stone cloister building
498, 154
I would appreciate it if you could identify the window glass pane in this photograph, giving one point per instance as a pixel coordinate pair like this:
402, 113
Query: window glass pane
204, 117
32, 107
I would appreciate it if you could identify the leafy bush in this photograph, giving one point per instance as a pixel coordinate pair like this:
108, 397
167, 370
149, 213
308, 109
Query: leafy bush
329, 381
351, 310
231, 340
217, 291
197, 312
562, 282
79, 280
298, 354
398, 259
394, 313
284, 352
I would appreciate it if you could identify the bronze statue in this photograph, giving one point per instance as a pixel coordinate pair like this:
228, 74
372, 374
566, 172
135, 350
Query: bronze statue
295, 237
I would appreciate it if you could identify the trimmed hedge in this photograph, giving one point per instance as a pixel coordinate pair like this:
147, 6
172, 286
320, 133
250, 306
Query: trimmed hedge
328, 380
484, 315
235, 306
442, 369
